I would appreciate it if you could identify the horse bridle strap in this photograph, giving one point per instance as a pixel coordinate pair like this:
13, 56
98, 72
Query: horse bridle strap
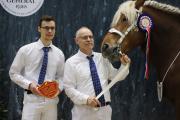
114, 30
123, 35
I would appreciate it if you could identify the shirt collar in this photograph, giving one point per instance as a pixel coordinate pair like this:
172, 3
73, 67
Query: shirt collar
81, 54
41, 45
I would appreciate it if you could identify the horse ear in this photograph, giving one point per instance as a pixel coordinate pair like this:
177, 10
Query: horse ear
139, 3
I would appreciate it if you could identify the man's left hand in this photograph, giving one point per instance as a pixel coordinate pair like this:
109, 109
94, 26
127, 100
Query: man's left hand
125, 59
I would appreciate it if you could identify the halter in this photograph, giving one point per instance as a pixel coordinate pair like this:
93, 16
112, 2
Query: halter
123, 35
136, 25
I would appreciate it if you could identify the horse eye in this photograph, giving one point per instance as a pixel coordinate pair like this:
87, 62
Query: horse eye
124, 19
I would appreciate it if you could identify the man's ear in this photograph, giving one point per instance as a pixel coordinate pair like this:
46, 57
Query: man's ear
39, 29
76, 40
139, 3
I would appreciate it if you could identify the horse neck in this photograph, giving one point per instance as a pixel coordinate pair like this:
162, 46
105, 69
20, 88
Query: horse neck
164, 38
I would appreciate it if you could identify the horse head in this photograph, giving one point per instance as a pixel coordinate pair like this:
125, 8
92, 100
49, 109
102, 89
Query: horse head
124, 34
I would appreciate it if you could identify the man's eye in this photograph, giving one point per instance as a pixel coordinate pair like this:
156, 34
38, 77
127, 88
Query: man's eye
86, 37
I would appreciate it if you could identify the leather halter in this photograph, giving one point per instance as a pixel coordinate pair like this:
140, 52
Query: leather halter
123, 35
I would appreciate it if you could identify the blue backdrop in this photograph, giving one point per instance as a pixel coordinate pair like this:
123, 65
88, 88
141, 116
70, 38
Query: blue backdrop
132, 99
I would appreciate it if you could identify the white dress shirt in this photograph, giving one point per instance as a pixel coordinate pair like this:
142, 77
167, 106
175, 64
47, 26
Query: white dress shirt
77, 76
26, 67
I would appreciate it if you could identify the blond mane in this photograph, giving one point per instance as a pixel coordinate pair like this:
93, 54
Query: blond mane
128, 9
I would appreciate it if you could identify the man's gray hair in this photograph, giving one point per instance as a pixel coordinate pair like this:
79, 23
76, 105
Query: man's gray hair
79, 30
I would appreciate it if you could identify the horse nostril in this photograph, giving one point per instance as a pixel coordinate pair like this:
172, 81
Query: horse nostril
105, 46
116, 50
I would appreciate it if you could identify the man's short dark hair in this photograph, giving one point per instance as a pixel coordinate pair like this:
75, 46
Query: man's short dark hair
46, 18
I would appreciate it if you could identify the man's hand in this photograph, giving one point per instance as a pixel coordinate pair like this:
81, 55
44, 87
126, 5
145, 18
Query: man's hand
124, 59
93, 102
33, 87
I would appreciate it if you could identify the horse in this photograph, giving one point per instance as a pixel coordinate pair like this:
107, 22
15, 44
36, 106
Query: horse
156, 28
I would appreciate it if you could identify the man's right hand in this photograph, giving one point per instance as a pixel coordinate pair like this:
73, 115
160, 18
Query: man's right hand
93, 102
33, 87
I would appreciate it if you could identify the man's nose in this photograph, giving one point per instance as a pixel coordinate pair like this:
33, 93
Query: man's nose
50, 30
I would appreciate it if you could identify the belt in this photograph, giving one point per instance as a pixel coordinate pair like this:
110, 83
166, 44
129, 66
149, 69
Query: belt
28, 91
104, 104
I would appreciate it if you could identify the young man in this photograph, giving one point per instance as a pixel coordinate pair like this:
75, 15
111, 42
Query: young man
34, 64
86, 74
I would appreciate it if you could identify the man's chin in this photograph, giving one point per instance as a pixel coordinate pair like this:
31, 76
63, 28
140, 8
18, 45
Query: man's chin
49, 39
90, 47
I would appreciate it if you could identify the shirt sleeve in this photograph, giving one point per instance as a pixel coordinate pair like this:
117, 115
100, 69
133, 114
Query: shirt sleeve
113, 71
60, 72
70, 85
16, 70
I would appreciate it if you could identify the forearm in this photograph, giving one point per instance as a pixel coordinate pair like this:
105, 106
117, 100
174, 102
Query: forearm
125, 72
20, 80
76, 96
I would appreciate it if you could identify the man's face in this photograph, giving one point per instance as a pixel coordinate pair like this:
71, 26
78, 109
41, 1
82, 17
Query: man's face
47, 30
85, 40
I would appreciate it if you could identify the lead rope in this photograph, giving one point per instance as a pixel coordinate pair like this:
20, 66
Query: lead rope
160, 84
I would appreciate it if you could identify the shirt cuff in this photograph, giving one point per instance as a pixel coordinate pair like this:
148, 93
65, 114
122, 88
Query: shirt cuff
84, 99
26, 84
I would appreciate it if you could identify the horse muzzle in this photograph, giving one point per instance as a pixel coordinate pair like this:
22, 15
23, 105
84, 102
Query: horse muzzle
110, 52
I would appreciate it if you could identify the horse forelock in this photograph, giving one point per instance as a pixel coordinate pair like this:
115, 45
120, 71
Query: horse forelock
128, 9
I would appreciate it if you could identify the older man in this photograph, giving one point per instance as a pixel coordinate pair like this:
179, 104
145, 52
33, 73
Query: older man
86, 75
